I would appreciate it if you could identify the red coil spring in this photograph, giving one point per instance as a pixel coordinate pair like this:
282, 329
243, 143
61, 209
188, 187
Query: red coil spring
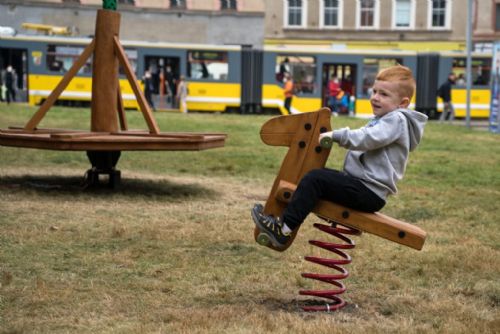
333, 295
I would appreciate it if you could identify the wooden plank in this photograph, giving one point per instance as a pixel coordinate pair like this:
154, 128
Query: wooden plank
161, 135
374, 223
69, 135
61, 86
141, 100
40, 130
108, 142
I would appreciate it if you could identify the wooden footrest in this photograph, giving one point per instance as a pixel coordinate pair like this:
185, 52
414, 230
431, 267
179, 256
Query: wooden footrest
373, 223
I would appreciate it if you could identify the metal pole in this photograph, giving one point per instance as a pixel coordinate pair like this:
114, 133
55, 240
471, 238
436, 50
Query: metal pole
469, 62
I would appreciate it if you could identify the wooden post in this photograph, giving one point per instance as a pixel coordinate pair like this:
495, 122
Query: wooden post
104, 109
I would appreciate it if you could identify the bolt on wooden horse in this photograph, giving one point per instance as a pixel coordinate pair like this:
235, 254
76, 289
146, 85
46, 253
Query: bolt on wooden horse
300, 133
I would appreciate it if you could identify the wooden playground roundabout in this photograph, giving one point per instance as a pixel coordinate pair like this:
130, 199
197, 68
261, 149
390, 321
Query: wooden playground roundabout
109, 133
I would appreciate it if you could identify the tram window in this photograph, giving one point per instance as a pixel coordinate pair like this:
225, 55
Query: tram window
480, 68
371, 66
207, 65
132, 59
302, 69
60, 58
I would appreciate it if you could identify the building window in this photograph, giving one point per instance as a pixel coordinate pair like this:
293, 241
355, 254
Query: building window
331, 13
177, 3
403, 14
367, 14
295, 13
228, 5
439, 14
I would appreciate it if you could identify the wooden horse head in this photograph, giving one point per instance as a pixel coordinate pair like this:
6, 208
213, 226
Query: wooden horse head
300, 133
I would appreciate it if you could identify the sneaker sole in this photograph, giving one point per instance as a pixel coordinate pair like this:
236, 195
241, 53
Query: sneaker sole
264, 238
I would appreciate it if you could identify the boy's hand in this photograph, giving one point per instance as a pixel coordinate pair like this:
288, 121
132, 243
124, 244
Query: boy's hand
326, 140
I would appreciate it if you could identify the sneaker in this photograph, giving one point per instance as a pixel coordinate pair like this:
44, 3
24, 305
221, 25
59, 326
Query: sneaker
271, 226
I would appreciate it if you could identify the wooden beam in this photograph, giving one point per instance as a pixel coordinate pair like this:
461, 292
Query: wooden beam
49, 102
104, 114
146, 111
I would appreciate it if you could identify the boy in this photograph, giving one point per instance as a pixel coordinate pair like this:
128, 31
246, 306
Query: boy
376, 159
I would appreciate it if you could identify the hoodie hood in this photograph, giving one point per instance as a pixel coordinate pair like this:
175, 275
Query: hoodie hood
416, 123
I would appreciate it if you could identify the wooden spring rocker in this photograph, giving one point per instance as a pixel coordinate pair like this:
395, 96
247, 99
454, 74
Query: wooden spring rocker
300, 133
109, 133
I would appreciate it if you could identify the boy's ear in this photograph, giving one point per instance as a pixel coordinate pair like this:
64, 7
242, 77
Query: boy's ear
405, 102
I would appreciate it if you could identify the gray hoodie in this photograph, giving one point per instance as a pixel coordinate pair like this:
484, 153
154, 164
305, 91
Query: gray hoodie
379, 151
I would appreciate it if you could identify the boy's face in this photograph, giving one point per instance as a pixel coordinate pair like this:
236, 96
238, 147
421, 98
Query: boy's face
385, 98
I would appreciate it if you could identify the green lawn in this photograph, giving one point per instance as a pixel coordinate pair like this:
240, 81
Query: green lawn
172, 250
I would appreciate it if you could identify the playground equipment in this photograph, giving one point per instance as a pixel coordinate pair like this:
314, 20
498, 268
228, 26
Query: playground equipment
109, 133
300, 133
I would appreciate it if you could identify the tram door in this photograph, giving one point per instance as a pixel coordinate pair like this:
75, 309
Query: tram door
346, 73
164, 72
17, 58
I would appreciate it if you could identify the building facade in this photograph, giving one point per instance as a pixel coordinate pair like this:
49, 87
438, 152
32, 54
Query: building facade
486, 23
395, 24
423, 25
180, 21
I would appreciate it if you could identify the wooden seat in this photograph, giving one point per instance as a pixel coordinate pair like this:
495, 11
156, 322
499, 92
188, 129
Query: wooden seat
300, 133
374, 223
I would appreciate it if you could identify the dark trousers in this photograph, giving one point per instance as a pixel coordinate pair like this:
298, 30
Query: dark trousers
10, 94
330, 185
288, 103
149, 99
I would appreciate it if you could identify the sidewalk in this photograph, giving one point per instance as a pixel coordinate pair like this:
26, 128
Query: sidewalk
480, 124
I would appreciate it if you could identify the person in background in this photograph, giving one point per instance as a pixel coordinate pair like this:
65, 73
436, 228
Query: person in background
171, 90
347, 86
444, 92
288, 91
10, 80
3, 89
181, 95
148, 88
284, 68
333, 91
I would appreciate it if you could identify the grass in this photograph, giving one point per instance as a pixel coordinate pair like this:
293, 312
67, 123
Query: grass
172, 249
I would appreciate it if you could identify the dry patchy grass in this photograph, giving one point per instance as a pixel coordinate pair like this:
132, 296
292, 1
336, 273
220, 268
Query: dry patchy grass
172, 249
176, 254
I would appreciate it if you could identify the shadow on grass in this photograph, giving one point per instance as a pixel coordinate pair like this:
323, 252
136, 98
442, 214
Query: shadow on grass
71, 185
